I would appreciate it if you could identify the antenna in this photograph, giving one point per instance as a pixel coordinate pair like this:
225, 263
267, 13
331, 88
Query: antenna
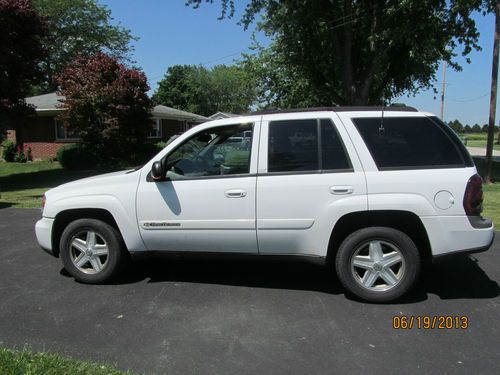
381, 129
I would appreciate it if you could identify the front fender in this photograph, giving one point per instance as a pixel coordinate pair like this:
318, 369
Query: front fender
124, 218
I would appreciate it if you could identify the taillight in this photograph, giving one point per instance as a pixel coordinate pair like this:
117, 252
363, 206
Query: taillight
473, 198
44, 199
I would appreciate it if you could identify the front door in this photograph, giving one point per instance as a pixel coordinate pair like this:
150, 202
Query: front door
207, 201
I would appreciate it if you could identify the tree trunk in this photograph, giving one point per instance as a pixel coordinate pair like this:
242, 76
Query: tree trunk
493, 97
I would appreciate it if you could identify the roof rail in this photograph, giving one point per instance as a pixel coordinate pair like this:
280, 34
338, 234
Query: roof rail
397, 107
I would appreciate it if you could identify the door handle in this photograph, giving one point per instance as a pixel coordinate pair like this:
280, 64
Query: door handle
237, 193
341, 190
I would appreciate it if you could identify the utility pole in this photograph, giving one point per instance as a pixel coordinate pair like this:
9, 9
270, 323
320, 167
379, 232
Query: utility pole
493, 97
443, 90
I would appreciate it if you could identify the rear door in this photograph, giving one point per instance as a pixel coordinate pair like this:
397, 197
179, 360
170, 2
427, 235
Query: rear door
308, 177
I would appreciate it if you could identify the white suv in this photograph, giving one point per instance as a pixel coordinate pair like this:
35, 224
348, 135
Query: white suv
372, 192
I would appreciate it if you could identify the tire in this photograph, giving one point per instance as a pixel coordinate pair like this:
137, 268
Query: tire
92, 259
378, 264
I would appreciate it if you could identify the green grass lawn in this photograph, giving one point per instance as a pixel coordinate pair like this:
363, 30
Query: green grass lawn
478, 140
28, 363
492, 202
481, 144
23, 184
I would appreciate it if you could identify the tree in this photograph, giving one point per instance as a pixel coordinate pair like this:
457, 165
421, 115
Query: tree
206, 91
484, 128
277, 84
467, 129
363, 52
78, 27
456, 126
476, 128
107, 104
22, 32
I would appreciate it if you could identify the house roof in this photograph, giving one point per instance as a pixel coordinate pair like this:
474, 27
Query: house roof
221, 115
52, 103
47, 102
162, 111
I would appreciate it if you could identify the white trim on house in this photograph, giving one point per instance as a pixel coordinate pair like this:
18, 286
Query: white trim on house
157, 128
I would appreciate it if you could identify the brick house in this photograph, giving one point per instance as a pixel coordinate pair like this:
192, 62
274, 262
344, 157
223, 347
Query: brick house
45, 134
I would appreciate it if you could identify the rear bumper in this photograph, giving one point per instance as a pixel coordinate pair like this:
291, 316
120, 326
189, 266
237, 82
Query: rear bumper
455, 234
43, 230
468, 251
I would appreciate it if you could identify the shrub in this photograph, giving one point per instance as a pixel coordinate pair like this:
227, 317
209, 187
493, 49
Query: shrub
76, 157
161, 145
9, 150
20, 156
143, 153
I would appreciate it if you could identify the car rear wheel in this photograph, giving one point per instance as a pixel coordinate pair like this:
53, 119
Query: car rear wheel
92, 251
378, 264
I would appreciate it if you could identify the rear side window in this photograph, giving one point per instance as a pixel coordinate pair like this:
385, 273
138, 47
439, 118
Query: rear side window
305, 145
409, 143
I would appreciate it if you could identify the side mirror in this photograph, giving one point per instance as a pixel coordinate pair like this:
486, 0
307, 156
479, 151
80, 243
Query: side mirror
157, 171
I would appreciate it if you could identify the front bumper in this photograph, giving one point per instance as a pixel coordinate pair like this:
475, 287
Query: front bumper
43, 230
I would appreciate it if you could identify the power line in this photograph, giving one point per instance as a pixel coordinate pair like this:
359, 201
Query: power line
203, 63
469, 100
221, 58
352, 20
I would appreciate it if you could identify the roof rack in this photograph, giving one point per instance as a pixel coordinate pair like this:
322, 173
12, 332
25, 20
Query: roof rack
391, 108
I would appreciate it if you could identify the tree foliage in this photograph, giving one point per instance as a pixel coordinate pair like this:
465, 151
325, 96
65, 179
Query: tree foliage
78, 27
107, 104
456, 126
203, 91
22, 32
357, 51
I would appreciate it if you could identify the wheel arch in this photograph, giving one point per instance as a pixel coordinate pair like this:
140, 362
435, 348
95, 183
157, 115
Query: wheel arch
65, 217
405, 221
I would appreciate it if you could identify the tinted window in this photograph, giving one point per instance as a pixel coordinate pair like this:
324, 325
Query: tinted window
456, 140
332, 149
408, 142
294, 145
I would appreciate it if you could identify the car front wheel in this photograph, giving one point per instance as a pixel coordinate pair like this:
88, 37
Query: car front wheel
92, 251
378, 264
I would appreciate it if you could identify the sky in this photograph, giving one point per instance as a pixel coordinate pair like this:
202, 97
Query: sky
171, 33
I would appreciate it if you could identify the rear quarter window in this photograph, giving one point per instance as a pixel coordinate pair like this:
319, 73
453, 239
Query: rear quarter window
411, 143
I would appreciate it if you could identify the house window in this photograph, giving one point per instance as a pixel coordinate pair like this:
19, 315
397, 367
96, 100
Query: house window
155, 131
63, 134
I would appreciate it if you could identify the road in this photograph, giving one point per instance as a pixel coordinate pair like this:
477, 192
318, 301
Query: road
478, 151
227, 317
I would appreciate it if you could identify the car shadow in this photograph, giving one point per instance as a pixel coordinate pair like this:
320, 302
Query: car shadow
5, 205
256, 273
459, 277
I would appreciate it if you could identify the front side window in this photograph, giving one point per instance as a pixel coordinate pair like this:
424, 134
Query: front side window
408, 142
305, 145
224, 150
